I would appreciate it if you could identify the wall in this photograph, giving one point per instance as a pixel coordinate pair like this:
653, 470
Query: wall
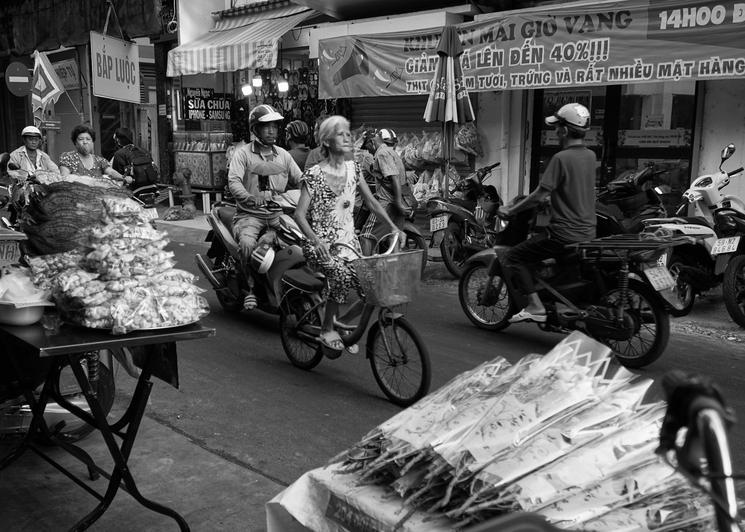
195, 17
722, 122
501, 126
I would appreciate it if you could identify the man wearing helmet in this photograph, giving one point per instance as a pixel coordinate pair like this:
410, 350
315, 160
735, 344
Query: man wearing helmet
29, 157
569, 180
297, 133
390, 176
258, 171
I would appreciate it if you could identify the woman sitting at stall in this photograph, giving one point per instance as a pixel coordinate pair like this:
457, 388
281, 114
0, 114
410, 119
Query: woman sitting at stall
83, 161
324, 213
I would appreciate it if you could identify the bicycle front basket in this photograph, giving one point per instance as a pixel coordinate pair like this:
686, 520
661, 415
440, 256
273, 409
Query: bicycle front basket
389, 280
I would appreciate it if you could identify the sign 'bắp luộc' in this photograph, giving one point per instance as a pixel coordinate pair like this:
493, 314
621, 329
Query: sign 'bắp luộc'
625, 42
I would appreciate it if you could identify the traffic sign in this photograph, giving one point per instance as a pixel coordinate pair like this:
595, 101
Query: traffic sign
18, 78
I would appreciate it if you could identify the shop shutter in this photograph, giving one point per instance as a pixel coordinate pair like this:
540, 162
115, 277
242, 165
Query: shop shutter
400, 113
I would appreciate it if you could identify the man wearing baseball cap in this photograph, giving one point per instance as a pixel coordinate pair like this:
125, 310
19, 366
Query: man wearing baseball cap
29, 157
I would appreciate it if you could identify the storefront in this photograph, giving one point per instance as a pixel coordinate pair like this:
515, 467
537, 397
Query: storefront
652, 73
251, 55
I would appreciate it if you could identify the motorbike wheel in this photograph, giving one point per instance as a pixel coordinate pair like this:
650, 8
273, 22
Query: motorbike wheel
682, 291
733, 289
399, 361
488, 307
453, 252
651, 326
303, 353
416, 242
74, 428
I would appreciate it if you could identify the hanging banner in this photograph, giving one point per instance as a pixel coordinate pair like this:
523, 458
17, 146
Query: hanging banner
115, 68
622, 42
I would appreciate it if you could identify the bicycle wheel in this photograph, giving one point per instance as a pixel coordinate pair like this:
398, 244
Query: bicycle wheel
298, 323
399, 361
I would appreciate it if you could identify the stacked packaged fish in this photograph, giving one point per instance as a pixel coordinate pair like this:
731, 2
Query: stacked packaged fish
122, 278
565, 435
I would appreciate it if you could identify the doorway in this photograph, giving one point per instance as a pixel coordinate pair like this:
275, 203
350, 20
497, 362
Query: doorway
632, 126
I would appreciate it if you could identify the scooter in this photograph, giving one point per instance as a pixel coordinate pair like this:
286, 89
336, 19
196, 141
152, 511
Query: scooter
714, 241
467, 219
224, 268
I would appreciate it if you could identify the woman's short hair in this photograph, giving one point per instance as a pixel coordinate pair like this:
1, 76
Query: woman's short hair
79, 130
328, 129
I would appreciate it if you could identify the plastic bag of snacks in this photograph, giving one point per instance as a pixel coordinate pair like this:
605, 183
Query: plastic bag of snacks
467, 140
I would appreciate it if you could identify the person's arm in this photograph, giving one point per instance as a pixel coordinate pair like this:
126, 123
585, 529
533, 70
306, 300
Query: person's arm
375, 206
534, 199
238, 168
390, 170
301, 218
49, 164
65, 166
294, 173
109, 171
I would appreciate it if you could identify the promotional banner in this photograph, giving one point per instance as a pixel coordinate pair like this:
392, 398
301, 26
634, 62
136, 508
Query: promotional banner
609, 43
115, 68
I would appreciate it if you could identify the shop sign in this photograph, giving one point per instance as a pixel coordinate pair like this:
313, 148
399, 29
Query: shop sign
115, 68
69, 74
654, 138
627, 42
205, 104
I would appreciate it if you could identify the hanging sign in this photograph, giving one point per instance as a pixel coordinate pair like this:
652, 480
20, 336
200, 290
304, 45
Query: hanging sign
623, 42
68, 73
115, 68
205, 104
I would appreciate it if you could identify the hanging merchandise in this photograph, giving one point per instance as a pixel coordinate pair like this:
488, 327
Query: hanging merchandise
467, 140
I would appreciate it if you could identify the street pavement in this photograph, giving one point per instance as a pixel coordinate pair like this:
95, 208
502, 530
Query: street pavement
212, 490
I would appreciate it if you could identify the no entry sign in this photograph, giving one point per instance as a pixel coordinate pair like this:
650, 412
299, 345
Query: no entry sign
18, 78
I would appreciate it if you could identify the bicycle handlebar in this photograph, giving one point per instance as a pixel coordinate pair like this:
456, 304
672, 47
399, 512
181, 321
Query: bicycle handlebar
735, 172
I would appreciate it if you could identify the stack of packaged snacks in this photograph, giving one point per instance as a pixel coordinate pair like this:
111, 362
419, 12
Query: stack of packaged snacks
123, 279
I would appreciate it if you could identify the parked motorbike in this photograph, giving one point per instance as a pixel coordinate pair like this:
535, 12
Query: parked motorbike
608, 288
712, 256
467, 219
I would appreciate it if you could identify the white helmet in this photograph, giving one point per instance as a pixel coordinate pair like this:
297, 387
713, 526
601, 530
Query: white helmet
262, 258
574, 116
31, 131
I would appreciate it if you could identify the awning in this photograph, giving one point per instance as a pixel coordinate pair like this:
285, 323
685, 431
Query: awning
253, 45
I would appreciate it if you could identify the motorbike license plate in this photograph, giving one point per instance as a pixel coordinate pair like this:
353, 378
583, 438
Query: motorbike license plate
725, 245
151, 213
438, 223
10, 253
659, 277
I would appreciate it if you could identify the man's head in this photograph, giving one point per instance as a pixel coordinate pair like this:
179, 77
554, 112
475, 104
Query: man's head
388, 136
123, 136
572, 120
31, 137
264, 121
297, 132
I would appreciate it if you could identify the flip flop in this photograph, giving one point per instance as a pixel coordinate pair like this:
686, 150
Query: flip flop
524, 315
331, 340
353, 349
250, 302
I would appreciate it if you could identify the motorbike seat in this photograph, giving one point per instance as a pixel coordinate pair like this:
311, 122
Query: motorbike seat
225, 214
303, 279
698, 220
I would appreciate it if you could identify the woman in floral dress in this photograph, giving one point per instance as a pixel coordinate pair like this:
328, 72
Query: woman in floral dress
324, 213
83, 161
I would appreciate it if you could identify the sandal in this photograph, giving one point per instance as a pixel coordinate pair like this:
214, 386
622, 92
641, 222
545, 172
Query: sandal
353, 349
250, 302
524, 315
331, 340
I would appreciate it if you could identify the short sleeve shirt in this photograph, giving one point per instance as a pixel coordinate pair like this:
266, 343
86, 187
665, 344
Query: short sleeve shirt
570, 177
71, 160
387, 166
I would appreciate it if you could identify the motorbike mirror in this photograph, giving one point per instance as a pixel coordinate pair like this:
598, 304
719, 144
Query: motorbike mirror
728, 151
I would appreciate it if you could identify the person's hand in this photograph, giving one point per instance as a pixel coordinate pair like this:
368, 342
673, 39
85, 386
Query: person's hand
322, 251
128, 180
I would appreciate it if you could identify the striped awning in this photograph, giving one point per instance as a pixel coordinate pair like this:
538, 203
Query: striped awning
253, 45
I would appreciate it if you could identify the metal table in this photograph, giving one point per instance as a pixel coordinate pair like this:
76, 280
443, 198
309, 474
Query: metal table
156, 357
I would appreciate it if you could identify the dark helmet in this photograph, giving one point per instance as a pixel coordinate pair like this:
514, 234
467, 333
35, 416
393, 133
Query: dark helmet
124, 135
574, 116
297, 130
263, 114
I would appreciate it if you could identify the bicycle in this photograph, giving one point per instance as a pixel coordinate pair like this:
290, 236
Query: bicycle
398, 356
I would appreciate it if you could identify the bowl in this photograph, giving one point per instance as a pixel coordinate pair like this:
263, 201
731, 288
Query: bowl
10, 314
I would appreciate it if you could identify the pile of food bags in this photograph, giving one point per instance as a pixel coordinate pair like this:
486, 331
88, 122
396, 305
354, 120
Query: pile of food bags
566, 435
120, 277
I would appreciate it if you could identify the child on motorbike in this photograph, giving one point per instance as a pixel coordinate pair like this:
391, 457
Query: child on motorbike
569, 180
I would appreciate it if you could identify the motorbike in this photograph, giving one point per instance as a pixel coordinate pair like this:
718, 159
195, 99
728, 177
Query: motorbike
713, 254
466, 219
224, 268
609, 288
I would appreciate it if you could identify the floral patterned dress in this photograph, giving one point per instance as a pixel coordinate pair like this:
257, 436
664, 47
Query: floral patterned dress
72, 161
330, 217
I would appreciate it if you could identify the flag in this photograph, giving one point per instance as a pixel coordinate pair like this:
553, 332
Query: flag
46, 86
